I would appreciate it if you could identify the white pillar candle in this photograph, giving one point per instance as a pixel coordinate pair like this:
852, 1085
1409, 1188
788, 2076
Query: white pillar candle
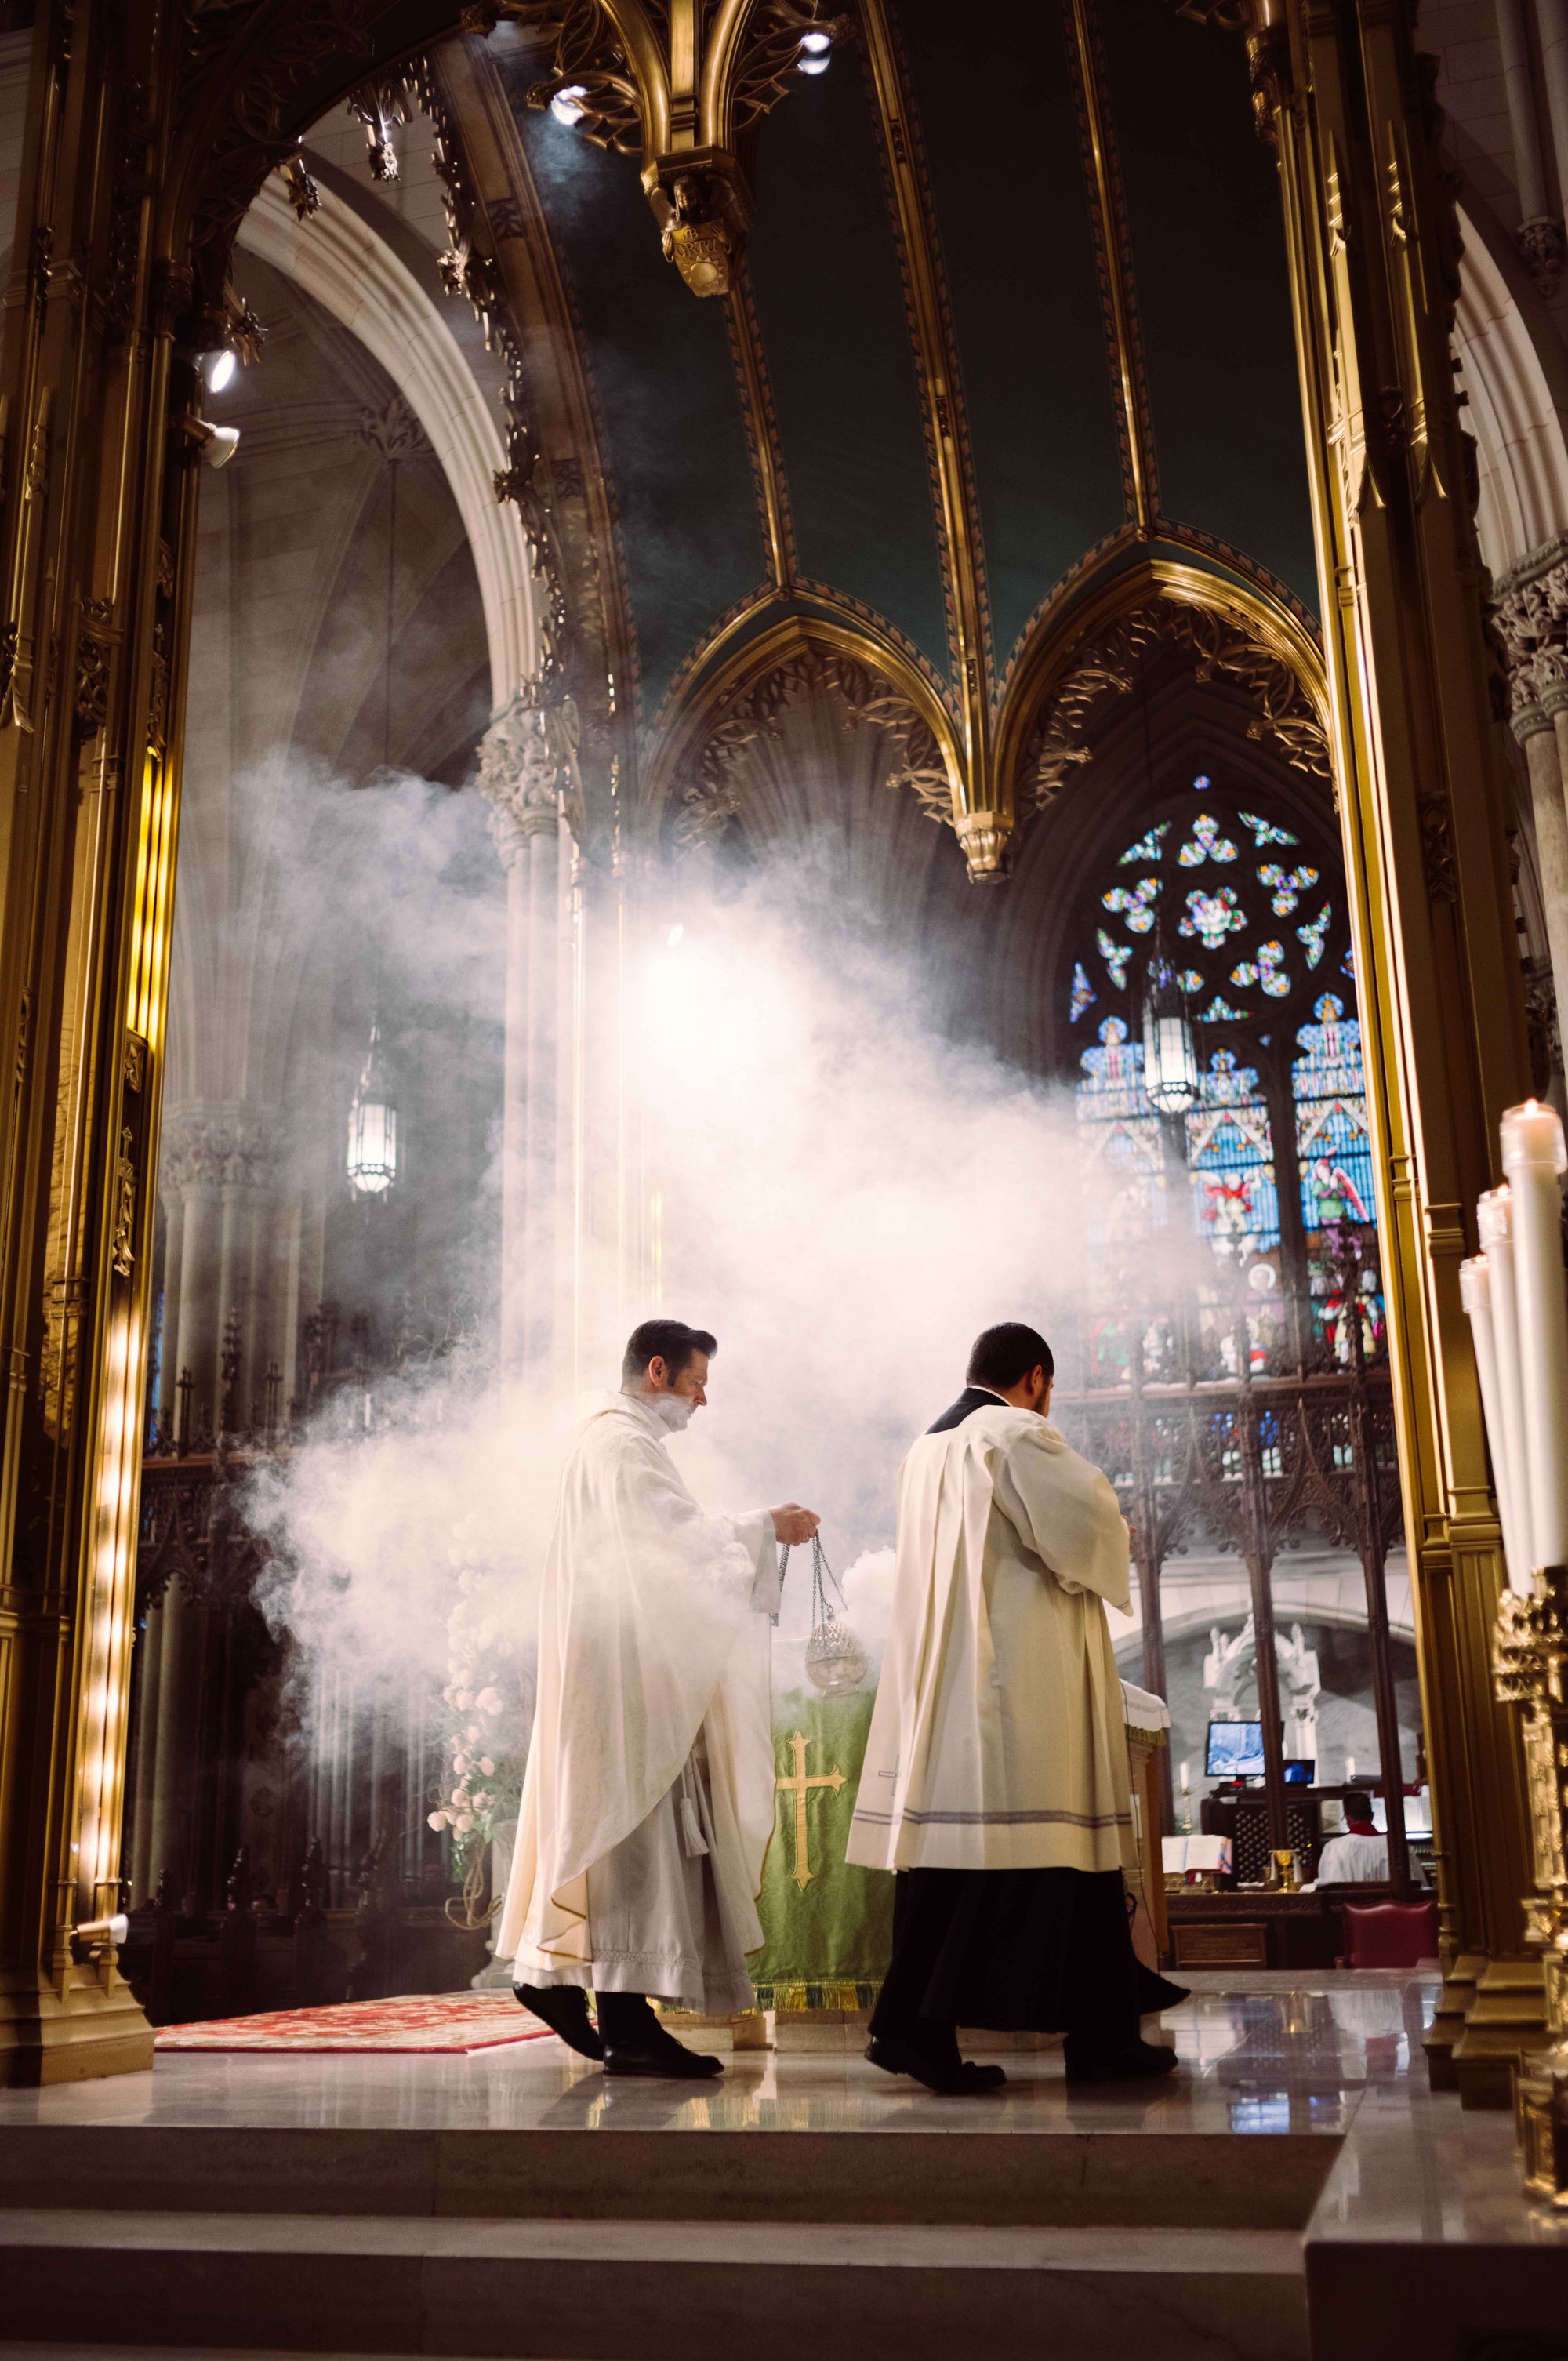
1533, 1158
1349, 1769
1510, 1463
1475, 1294
1185, 1769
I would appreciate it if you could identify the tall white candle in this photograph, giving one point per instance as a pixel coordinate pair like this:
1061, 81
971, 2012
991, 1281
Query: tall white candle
1494, 1220
1349, 1769
1533, 1158
1185, 1769
1475, 1294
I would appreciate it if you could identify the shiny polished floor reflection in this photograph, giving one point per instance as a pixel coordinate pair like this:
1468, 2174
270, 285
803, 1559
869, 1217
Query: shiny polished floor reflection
1260, 2054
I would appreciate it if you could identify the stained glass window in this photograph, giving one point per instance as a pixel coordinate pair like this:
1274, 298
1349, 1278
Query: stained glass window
1116, 957
1313, 932
1146, 848
1286, 885
1248, 983
1205, 843
1267, 968
1230, 1155
1126, 1193
1331, 1142
1135, 903
1213, 915
1264, 832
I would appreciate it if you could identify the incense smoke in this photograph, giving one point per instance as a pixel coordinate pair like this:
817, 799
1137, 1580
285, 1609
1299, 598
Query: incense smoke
842, 1190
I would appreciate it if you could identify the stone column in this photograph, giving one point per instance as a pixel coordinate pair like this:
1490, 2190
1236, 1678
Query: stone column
1531, 610
220, 1161
525, 759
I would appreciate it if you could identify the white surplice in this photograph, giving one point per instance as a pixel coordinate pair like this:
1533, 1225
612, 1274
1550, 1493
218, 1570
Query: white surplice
648, 1800
998, 1737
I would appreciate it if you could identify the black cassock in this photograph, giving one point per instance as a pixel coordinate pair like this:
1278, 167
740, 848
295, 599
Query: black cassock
1041, 1951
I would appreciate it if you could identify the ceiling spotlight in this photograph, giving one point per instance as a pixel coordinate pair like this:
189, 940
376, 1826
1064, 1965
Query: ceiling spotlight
815, 43
217, 444
567, 105
218, 369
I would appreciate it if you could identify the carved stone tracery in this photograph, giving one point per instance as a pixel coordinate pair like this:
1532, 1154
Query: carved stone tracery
711, 803
1108, 666
468, 268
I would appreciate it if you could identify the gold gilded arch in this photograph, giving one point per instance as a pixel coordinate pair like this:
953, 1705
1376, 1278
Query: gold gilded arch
736, 694
1077, 658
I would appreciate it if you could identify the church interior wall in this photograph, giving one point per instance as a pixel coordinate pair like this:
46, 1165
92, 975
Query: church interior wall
286, 675
294, 565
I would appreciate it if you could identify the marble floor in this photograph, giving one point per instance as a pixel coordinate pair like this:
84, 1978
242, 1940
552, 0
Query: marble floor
1260, 2053
1297, 2166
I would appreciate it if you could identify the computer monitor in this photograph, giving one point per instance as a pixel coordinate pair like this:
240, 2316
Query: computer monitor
1300, 1773
1236, 1749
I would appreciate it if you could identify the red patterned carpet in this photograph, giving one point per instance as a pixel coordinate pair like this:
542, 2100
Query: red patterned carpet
435, 2021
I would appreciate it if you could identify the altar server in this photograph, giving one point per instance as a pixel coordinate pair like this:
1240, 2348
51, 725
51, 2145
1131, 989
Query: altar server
648, 1800
995, 1782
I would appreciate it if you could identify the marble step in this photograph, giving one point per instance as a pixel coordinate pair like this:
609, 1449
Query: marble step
1061, 2178
645, 2291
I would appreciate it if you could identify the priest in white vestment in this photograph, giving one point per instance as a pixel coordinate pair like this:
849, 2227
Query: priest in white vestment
996, 1782
648, 1800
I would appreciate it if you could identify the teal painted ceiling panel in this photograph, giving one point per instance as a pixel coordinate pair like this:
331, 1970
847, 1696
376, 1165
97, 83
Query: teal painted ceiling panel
1213, 293
996, 110
825, 271
666, 389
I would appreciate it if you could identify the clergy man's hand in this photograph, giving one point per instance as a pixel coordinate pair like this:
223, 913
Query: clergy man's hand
793, 1524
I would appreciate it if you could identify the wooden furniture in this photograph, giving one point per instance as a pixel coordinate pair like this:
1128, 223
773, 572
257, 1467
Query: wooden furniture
1245, 1819
1255, 1929
1144, 1750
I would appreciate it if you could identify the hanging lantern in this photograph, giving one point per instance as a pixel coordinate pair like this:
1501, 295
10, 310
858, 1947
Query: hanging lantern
1171, 1080
373, 1126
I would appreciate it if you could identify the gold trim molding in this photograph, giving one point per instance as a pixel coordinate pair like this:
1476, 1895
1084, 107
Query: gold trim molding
1232, 632
690, 773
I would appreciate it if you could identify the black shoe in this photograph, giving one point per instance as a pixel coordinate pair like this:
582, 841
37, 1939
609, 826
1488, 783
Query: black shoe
964, 2080
659, 2056
565, 2009
1139, 2061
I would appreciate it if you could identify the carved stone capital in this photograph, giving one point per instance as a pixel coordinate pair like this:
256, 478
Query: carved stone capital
1540, 243
1530, 615
523, 756
213, 1146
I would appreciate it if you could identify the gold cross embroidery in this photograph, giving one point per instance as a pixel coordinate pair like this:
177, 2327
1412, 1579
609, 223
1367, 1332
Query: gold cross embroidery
799, 1787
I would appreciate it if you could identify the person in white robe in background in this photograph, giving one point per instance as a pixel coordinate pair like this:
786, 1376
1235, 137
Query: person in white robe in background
996, 1782
648, 1799
1359, 1857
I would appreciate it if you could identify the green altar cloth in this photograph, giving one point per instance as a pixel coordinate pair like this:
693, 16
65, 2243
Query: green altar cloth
829, 1927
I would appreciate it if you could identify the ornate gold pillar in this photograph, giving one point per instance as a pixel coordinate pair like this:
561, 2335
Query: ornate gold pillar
1346, 99
94, 563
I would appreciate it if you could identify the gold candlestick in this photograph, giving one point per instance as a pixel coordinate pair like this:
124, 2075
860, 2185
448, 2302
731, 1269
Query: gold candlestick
1529, 1651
